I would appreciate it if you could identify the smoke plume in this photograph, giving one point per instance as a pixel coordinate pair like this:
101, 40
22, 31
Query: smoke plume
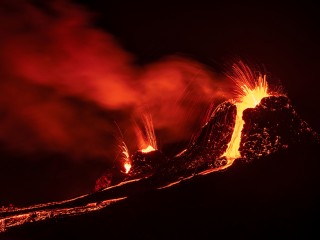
64, 82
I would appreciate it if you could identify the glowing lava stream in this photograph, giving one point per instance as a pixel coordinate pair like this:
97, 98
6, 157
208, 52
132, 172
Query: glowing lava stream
250, 96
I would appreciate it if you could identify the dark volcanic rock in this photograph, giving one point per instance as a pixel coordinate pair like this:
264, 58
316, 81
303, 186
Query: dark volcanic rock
110, 177
210, 144
146, 164
271, 126
215, 134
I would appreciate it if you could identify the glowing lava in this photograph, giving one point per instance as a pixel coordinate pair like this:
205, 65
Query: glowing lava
125, 157
251, 91
127, 167
146, 136
148, 149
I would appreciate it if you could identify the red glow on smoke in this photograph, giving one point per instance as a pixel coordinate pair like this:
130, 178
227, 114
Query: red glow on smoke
55, 66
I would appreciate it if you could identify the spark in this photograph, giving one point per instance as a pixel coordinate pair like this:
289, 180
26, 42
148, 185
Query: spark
124, 151
125, 156
251, 89
146, 136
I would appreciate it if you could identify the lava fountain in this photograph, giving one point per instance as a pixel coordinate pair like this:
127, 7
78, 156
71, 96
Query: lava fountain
251, 90
146, 136
126, 157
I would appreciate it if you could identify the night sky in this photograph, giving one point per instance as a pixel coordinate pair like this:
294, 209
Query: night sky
57, 125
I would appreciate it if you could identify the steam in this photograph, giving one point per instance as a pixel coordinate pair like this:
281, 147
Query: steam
64, 82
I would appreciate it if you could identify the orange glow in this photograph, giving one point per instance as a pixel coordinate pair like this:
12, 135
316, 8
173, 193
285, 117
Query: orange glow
127, 166
251, 90
93, 68
148, 149
125, 157
147, 141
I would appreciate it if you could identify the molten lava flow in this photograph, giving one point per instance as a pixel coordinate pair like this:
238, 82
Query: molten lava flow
251, 91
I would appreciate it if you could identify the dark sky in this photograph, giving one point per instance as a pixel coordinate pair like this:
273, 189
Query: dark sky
284, 39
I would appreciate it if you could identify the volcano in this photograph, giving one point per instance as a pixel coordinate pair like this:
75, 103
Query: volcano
201, 191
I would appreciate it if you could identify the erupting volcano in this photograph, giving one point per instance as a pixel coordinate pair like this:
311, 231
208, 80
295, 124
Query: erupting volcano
125, 120
255, 124
250, 94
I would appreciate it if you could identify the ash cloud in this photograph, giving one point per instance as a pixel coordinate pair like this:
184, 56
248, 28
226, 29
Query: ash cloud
64, 82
